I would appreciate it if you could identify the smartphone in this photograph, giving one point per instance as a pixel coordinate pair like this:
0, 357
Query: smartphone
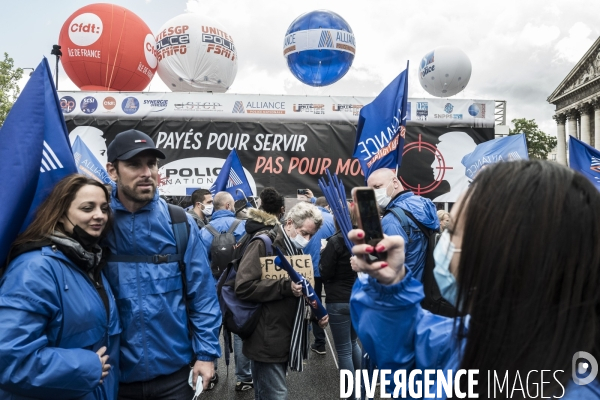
368, 219
302, 192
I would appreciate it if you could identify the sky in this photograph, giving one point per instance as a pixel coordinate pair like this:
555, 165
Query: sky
520, 51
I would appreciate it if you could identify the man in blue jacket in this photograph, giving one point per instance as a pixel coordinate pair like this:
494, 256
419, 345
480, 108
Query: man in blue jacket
390, 194
223, 218
314, 249
164, 328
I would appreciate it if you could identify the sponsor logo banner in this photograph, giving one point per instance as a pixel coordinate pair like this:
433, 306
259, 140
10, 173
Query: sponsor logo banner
234, 107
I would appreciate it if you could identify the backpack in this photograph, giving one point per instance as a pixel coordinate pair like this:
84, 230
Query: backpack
181, 230
433, 300
239, 316
222, 248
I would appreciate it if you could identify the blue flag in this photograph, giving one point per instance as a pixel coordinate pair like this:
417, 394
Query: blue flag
509, 148
585, 159
87, 164
381, 128
232, 178
35, 154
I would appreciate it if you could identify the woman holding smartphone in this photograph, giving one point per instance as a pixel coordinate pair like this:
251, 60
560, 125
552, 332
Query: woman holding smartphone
521, 260
59, 327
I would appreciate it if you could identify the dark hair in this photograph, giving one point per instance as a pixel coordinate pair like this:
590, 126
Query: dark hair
199, 195
271, 201
321, 202
529, 270
55, 206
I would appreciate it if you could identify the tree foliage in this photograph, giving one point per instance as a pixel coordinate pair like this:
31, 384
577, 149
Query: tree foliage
9, 90
539, 144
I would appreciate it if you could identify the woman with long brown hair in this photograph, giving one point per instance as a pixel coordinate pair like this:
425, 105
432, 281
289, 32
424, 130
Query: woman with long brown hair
59, 327
521, 261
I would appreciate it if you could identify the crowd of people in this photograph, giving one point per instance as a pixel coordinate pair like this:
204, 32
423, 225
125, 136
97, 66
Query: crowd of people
112, 294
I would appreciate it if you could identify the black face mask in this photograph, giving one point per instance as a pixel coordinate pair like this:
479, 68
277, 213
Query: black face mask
87, 241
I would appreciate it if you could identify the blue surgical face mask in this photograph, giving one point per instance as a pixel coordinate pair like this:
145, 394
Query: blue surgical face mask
442, 255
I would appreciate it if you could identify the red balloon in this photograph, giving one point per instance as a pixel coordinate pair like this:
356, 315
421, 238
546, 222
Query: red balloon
107, 47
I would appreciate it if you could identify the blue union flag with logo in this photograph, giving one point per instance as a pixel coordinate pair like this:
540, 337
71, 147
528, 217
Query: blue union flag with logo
232, 178
87, 164
381, 128
585, 159
35, 154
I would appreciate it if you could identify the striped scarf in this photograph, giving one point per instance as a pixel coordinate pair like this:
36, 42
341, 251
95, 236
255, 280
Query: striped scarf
299, 345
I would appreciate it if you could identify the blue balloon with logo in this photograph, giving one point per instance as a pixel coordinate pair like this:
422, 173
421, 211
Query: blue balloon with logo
319, 47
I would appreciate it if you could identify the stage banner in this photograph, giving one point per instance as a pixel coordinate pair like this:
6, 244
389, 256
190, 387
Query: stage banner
287, 156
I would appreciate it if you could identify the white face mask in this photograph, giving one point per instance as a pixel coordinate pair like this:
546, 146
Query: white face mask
208, 210
382, 197
442, 254
299, 241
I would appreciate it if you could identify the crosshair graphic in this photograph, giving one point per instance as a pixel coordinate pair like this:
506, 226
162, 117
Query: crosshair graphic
441, 168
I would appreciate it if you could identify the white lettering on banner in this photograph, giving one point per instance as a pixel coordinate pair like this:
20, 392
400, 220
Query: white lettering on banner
379, 141
228, 141
473, 168
173, 139
83, 53
290, 142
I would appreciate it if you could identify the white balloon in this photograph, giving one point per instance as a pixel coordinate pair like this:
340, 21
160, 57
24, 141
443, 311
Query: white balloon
195, 54
445, 71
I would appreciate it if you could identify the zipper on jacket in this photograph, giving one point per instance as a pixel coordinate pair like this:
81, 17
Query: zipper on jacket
140, 299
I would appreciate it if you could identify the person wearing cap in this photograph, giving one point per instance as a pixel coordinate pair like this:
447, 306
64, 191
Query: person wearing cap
156, 345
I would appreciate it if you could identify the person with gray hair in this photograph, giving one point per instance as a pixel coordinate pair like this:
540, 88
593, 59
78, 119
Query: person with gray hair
269, 345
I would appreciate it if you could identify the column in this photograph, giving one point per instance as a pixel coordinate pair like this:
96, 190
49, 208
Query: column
572, 123
596, 106
561, 153
584, 112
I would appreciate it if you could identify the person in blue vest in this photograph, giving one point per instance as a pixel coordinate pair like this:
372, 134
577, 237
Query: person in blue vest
59, 325
170, 320
313, 248
390, 194
223, 218
526, 286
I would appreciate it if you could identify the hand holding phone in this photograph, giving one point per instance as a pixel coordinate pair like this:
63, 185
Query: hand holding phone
369, 220
303, 194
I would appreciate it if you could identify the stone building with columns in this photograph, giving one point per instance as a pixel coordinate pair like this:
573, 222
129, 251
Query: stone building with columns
577, 101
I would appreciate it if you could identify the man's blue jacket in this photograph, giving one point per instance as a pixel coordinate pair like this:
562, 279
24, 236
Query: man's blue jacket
415, 244
150, 298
